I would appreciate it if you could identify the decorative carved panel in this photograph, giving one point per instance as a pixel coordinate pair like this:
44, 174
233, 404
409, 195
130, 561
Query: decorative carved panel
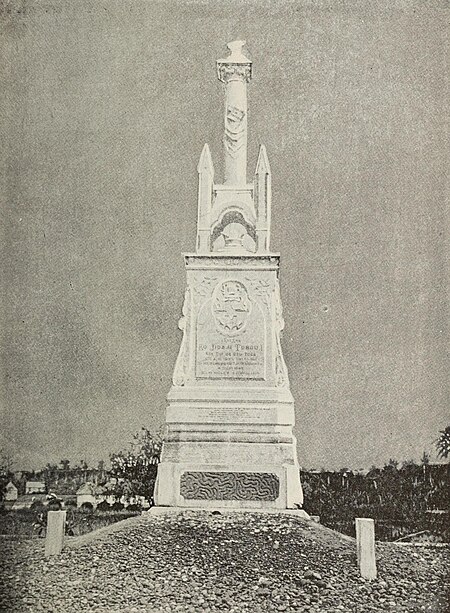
231, 307
281, 374
229, 486
179, 375
203, 286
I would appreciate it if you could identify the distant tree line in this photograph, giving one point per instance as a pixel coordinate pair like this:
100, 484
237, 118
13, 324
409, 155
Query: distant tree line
410, 494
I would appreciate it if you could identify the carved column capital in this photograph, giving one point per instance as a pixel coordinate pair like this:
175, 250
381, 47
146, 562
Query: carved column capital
227, 72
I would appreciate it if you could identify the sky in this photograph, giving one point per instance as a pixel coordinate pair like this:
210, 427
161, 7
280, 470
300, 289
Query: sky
105, 108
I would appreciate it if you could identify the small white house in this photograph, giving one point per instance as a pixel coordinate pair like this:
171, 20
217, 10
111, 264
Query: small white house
11, 492
89, 492
34, 487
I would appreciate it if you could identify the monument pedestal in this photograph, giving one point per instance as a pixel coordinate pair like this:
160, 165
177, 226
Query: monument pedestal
229, 440
230, 415
230, 446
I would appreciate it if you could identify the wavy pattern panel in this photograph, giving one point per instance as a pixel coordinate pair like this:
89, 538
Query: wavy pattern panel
229, 486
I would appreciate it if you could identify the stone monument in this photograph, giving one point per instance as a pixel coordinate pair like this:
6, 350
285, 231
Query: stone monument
229, 440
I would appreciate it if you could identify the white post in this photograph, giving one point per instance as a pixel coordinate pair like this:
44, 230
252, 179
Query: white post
54, 540
365, 547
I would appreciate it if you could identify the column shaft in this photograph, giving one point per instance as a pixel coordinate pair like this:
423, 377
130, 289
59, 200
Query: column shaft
235, 136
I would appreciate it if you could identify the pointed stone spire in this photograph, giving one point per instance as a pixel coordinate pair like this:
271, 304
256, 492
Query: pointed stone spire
205, 163
263, 200
262, 164
205, 171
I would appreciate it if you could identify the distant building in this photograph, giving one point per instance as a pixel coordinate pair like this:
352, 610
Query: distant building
89, 492
11, 492
35, 487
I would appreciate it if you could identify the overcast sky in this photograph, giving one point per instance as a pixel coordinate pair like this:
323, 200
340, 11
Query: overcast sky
106, 106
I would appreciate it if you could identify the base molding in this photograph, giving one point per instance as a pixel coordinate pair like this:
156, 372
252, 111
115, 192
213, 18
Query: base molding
159, 510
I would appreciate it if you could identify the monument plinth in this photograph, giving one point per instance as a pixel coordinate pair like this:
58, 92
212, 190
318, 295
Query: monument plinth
230, 414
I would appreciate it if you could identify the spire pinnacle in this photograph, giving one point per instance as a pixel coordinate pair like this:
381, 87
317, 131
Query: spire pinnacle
262, 165
205, 162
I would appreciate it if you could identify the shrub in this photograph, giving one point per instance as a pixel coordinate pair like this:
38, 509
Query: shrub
135, 468
54, 504
117, 506
87, 506
37, 505
134, 508
104, 506
72, 503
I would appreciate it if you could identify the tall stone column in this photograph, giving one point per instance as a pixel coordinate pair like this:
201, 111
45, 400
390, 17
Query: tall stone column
235, 72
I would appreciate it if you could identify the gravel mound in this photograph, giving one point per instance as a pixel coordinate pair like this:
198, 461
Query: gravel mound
197, 561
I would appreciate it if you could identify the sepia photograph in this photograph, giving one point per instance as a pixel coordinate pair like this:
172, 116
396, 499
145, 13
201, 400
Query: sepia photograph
224, 315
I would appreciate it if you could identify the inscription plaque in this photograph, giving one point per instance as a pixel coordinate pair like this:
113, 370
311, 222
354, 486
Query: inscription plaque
230, 360
235, 414
231, 336
229, 486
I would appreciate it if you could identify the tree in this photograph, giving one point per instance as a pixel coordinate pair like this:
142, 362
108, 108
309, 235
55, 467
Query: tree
425, 460
65, 464
392, 464
6, 463
50, 471
410, 462
443, 443
135, 468
101, 466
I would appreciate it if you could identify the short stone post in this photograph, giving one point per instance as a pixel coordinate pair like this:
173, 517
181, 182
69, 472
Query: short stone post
365, 547
54, 540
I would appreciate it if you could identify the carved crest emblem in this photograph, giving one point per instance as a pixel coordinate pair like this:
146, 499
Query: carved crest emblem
235, 115
231, 307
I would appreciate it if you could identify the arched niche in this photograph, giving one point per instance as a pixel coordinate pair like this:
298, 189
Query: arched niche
226, 235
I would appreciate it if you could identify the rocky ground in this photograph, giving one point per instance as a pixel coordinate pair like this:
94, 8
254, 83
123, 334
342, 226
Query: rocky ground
230, 562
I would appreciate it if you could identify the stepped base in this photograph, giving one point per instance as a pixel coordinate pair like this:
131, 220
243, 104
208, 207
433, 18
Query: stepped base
231, 448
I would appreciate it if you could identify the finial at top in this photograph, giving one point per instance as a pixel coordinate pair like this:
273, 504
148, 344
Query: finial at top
236, 64
236, 52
